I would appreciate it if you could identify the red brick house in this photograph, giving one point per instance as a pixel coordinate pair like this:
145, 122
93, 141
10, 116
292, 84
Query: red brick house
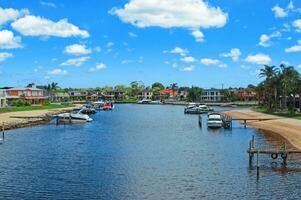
32, 94
167, 93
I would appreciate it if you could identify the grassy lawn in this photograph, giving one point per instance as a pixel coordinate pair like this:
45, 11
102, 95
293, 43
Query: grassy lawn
126, 101
27, 108
286, 114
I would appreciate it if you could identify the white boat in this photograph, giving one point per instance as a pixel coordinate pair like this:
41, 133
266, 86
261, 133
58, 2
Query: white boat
197, 109
214, 120
145, 101
76, 116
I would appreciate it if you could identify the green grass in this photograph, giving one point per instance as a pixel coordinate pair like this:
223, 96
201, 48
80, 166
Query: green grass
281, 114
126, 101
27, 108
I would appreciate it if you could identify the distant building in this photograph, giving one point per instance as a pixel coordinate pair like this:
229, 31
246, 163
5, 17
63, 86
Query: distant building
146, 94
3, 100
60, 97
183, 93
167, 93
212, 95
30, 93
245, 95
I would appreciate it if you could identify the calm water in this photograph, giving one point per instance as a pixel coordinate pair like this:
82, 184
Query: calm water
140, 152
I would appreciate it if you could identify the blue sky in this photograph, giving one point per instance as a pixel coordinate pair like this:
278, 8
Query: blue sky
190, 42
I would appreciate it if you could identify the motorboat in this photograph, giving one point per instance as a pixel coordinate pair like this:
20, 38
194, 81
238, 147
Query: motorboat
197, 109
101, 105
214, 120
88, 109
145, 101
75, 116
155, 102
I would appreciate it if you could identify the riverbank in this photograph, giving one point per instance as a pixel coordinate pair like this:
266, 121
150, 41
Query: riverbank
20, 119
289, 129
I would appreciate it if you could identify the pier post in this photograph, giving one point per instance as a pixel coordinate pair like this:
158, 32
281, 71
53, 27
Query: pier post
245, 123
3, 131
257, 165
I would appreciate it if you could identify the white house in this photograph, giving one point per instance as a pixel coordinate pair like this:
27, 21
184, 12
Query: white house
212, 95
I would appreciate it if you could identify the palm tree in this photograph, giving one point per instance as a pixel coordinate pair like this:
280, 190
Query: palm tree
271, 74
289, 80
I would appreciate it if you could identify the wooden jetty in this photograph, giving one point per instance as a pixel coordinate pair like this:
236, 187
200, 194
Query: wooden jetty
227, 120
281, 152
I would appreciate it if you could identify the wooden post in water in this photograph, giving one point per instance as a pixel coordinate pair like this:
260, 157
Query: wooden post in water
200, 120
245, 123
3, 130
257, 165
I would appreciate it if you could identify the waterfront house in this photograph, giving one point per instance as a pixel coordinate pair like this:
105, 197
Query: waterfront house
119, 94
3, 100
30, 93
183, 93
146, 94
168, 93
212, 95
246, 95
60, 96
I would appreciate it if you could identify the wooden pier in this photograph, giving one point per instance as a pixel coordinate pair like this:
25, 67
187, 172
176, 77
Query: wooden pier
227, 120
275, 153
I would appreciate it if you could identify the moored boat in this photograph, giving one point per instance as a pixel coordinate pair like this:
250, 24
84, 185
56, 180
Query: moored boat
214, 120
197, 109
75, 116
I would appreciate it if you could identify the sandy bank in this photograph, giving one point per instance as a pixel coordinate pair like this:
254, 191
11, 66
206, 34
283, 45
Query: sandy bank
290, 129
11, 122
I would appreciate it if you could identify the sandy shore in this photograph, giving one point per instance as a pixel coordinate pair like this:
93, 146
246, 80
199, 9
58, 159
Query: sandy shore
289, 129
10, 121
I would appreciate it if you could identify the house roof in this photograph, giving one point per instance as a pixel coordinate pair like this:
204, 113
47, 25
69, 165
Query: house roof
23, 88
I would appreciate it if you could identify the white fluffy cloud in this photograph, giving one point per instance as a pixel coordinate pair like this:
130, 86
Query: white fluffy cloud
48, 4
37, 26
77, 62
98, 67
4, 56
264, 39
9, 41
131, 34
297, 24
198, 35
110, 44
77, 49
58, 72
180, 51
279, 12
295, 48
188, 69
234, 54
188, 59
190, 14
124, 62
260, 59
10, 14
209, 61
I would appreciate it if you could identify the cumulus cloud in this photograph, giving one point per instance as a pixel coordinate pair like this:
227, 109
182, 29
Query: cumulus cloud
259, 59
98, 67
10, 14
131, 34
188, 69
37, 26
279, 12
190, 14
188, 59
4, 56
295, 48
234, 54
48, 4
58, 72
180, 51
297, 25
110, 44
198, 35
124, 62
77, 62
9, 41
209, 61
264, 39
77, 49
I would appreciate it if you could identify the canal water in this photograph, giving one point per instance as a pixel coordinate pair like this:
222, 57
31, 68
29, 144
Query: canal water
141, 152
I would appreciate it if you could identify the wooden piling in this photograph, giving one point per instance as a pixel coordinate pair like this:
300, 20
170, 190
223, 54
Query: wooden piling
257, 165
3, 130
